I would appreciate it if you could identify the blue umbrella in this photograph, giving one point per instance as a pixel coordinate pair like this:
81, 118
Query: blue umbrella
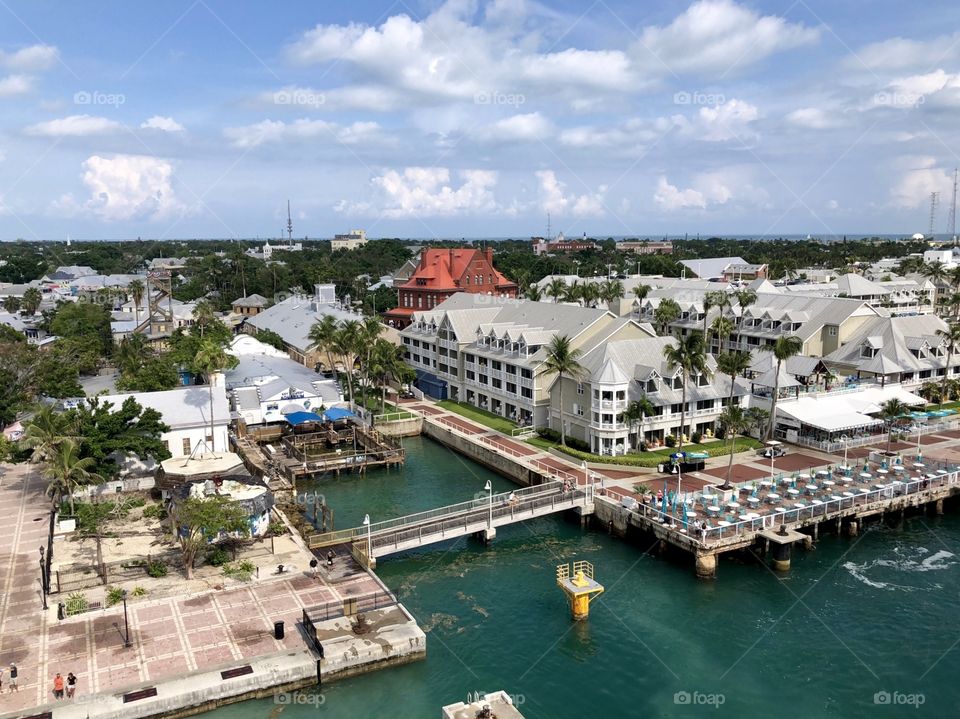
664, 503
684, 514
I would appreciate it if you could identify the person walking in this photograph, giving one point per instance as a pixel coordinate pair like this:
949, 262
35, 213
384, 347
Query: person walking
13, 678
58, 686
71, 685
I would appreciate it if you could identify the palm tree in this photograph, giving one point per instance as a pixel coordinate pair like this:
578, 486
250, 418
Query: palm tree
783, 348
204, 315
667, 311
734, 421
556, 289
211, 358
733, 364
635, 413
891, 412
66, 471
321, 336
136, 289
346, 342
131, 352
370, 331
716, 299
936, 273
931, 391
612, 290
641, 292
533, 293
953, 301
758, 418
31, 301
690, 355
745, 298
721, 327
562, 359
951, 336
11, 304
45, 432
573, 292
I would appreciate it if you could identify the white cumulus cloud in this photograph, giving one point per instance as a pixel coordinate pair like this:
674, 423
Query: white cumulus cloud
531, 126
813, 118
15, 85
707, 189
30, 59
919, 176
164, 124
124, 188
74, 126
428, 192
716, 36
555, 198
273, 131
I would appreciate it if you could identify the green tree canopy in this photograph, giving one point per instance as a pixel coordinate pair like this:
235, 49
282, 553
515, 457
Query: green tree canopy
130, 429
199, 521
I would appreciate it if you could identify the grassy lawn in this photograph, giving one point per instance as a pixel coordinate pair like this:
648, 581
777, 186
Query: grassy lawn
481, 416
654, 457
373, 404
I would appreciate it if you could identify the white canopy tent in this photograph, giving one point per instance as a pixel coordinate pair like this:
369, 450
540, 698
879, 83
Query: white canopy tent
840, 412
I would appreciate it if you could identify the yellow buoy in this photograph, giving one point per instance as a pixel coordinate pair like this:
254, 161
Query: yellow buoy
579, 586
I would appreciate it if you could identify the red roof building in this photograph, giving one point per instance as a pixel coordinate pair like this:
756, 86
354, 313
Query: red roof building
443, 272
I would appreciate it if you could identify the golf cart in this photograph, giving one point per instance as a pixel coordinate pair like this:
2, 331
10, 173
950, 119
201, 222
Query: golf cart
773, 449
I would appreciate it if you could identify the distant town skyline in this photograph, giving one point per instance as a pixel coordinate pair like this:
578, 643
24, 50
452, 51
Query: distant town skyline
476, 119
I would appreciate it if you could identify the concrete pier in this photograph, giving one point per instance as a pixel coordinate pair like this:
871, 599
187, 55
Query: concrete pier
500, 703
706, 565
782, 541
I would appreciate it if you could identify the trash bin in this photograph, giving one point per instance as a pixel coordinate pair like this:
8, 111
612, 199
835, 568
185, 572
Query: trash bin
278, 630
660, 467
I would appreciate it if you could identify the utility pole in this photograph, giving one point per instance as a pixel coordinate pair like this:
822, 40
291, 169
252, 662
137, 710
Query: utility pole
952, 217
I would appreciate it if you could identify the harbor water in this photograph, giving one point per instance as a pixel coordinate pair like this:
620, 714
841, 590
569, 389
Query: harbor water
859, 627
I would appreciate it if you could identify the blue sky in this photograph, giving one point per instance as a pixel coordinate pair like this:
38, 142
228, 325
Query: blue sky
200, 119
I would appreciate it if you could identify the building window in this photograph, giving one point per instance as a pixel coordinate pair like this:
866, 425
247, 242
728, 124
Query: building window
579, 387
832, 330
186, 445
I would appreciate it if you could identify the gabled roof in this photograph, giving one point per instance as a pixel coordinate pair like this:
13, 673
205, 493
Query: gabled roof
251, 301
710, 267
859, 286
442, 268
894, 338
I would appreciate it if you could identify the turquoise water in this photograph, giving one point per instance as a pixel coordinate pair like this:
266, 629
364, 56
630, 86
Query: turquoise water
853, 618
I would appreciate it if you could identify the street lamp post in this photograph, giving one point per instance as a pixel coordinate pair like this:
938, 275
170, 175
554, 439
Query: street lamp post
126, 622
846, 441
489, 488
43, 580
919, 431
366, 523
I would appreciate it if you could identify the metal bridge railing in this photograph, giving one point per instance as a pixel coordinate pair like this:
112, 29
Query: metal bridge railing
481, 502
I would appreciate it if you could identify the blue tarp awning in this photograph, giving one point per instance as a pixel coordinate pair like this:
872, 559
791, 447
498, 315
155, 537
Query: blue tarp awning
335, 413
296, 418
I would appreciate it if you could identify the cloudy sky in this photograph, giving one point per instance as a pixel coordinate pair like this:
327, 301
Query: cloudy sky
471, 118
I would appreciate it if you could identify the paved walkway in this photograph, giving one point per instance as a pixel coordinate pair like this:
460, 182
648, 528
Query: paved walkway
169, 636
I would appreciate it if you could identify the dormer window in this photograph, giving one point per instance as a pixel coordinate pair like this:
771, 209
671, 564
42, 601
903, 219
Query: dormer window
867, 352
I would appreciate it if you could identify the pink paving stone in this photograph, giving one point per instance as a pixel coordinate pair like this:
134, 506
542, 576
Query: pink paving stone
154, 613
213, 656
118, 677
158, 668
159, 647
201, 620
207, 637
254, 649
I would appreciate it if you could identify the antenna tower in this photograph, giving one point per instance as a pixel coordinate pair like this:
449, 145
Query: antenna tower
289, 225
952, 217
934, 201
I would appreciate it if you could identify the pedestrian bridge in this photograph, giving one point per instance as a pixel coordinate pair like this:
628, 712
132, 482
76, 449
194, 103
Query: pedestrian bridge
479, 515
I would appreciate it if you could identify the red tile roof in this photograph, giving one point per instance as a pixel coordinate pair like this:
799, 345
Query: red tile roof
442, 268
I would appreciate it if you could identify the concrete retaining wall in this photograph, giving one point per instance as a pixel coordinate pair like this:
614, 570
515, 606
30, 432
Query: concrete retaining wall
487, 456
401, 427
